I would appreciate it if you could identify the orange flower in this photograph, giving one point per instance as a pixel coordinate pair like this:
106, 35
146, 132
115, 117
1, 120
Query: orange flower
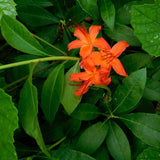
92, 75
108, 57
86, 40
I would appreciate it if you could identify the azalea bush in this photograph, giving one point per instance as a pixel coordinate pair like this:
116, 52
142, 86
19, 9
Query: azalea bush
80, 80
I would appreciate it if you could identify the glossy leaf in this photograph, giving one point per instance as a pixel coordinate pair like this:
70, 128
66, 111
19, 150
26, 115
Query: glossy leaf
91, 139
8, 124
117, 142
146, 26
90, 7
7, 7
28, 112
152, 90
86, 112
36, 16
68, 154
69, 100
121, 33
130, 92
145, 126
148, 154
107, 11
18, 36
52, 92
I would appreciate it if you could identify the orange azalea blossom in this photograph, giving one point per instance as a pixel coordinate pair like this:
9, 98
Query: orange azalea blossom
86, 40
92, 75
108, 57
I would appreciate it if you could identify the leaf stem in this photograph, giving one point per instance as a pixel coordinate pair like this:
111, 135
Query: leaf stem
57, 143
65, 54
39, 60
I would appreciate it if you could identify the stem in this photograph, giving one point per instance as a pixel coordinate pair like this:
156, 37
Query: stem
39, 60
65, 54
57, 143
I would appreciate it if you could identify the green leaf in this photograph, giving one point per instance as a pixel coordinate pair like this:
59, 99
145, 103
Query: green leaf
148, 154
8, 124
69, 100
7, 7
86, 112
52, 92
68, 154
146, 26
42, 3
122, 32
90, 7
135, 61
36, 16
117, 142
28, 111
145, 126
101, 153
130, 92
107, 11
91, 139
17, 35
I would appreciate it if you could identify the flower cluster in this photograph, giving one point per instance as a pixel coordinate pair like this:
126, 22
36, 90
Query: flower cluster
97, 64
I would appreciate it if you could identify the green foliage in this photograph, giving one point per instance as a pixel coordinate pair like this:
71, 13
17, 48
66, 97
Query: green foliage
69, 100
130, 92
17, 35
146, 26
86, 112
91, 139
107, 11
118, 147
144, 126
90, 7
7, 7
28, 111
52, 92
8, 124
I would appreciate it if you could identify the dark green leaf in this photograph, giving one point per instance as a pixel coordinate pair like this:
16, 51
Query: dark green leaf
107, 11
117, 142
145, 126
8, 124
146, 26
36, 16
148, 154
17, 35
28, 111
122, 32
68, 154
52, 92
91, 139
90, 7
101, 153
86, 112
135, 61
130, 92
42, 3
7, 7
152, 90
69, 100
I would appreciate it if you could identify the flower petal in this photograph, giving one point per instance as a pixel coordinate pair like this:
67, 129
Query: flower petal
93, 31
81, 76
101, 44
85, 50
75, 44
80, 33
83, 88
118, 67
118, 48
